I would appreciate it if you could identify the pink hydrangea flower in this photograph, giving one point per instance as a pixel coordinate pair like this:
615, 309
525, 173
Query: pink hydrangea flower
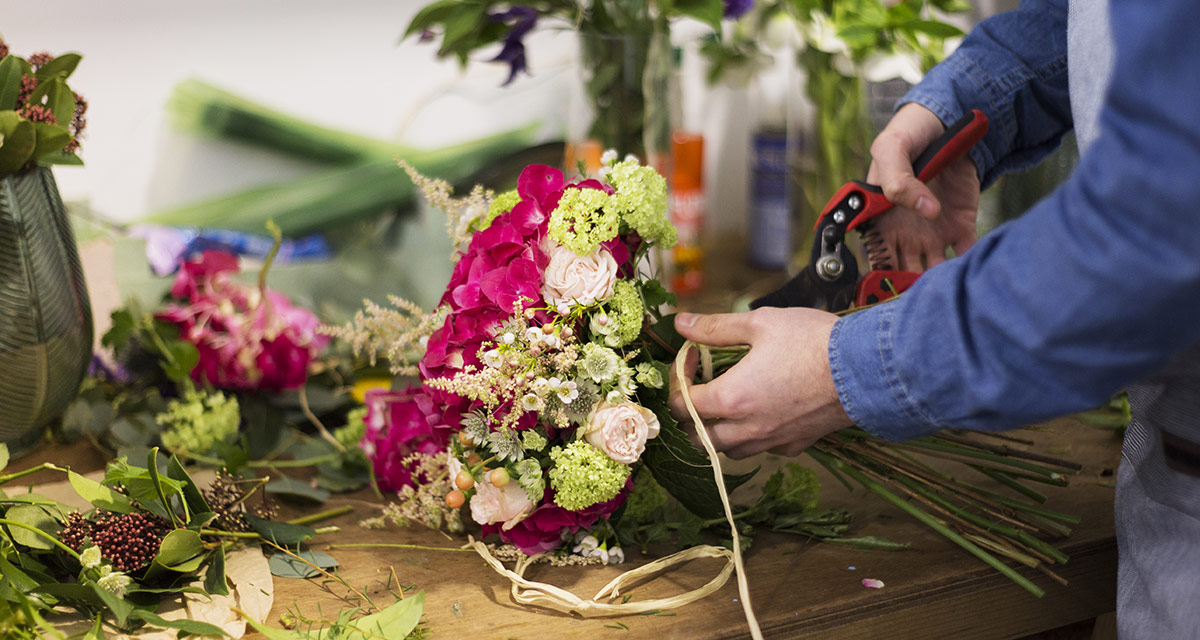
399, 424
246, 341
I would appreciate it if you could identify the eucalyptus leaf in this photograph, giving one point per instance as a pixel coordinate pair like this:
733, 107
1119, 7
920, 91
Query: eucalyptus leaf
36, 517
281, 533
285, 566
288, 487
99, 495
85, 417
193, 627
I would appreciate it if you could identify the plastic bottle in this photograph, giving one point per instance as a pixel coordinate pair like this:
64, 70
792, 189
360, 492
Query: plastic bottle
687, 201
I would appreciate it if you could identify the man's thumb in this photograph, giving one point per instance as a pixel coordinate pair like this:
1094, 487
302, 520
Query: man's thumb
717, 330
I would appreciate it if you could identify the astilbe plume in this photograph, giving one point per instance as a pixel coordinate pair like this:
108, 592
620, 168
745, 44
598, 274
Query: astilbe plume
397, 334
129, 541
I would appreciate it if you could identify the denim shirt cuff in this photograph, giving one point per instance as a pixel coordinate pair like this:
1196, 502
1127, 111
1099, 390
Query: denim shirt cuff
869, 385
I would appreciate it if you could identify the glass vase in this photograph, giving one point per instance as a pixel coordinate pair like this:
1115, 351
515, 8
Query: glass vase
45, 314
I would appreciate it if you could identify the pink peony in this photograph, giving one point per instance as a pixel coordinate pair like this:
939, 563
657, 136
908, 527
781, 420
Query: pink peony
399, 424
506, 505
246, 341
621, 430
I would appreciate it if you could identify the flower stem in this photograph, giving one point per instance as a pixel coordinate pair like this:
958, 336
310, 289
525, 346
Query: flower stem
252, 535
266, 464
387, 545
323, 515
30, 471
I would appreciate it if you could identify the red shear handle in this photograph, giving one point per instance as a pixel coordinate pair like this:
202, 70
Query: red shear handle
951, 145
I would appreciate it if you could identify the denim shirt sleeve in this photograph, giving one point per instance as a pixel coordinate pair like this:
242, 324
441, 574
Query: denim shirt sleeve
1095, 287
1013, 67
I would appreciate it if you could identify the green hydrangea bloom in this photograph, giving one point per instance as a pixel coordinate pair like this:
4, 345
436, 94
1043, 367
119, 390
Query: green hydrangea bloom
533, 441
501, 204
350, 435
198, 421
627, 314
641, 201
647, 496
583, 219
583, 475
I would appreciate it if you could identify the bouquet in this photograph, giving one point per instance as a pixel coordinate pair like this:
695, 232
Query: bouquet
540, 404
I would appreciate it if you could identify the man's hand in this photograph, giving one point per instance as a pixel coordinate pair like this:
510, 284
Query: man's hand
927, 218
780, 397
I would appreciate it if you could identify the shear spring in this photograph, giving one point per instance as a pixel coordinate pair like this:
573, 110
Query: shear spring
877, 252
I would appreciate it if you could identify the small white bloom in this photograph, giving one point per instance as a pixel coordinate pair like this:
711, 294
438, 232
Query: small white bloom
90, 558
567, 392
609, 157
533, 335
616, 555
114, 582
423, 341
508, 338
493, 359
881, 67
530, 402
564, 308
551, 340
629, 157
615, 397
540, 386
586, 546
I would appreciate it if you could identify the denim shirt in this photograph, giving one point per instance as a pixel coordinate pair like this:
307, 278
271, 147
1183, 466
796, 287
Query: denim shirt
1097, 286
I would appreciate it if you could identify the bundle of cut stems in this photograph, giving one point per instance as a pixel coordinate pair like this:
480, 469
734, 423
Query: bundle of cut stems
990, 526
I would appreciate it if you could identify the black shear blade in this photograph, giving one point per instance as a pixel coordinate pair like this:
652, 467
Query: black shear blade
808, 290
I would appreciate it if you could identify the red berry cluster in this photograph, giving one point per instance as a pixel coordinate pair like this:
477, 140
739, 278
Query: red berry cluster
37, 113
3, 49
129, 541
39, 59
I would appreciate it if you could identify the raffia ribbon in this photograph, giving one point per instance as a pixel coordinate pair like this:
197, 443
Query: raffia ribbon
531, 592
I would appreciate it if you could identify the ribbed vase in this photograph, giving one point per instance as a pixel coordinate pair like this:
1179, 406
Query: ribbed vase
45, 314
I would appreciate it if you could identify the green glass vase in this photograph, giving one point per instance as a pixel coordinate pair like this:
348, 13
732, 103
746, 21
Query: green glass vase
45, 314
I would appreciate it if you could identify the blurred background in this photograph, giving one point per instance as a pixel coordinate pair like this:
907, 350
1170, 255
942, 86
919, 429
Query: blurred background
342, 88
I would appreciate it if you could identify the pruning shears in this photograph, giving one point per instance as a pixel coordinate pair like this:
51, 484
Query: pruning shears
831, 279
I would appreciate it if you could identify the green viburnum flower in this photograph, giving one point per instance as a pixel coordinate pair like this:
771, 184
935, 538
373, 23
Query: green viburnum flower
533, 441
599, 363
529, 478
90, 557
350, 435
501, 204
199, 421
114, 582
641, 201
646, 497
627, 314
583, 219
584, 475
649, 375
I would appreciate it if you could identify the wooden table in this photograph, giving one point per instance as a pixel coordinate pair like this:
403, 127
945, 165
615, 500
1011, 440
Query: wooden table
800, 589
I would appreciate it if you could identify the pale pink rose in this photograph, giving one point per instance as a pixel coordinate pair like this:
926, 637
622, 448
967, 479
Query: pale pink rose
574, 278
508, 504
621, 430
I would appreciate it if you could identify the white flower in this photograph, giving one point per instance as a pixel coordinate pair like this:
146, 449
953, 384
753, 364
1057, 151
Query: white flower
608, 157
822, 35
621, 430
423, 341
616, 555
114, 582
90, 558
492, 358
530, 402
533, 335
508, 338
585, 280
540, 386
567, 392
601, 324
563, 308
586, 546
551, 340
615, 397
880, 67
629, 157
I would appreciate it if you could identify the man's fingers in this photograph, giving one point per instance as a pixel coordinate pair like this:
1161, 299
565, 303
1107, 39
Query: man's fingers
717, 330
675, 400
892, 168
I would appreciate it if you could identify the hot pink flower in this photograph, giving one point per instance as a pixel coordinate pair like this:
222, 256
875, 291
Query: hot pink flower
544, 528
245, 341
398, 424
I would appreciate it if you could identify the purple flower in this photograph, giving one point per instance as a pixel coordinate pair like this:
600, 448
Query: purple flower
520, 21
734, 9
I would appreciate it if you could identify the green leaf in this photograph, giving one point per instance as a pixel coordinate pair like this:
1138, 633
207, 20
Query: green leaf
49, 138
156, 482
395, 621
292, 488
63, 64
432, 14
183, 358
793, 488
214, 579
655, 295
709, 12
3, 456
275, 634
15, 577
97, 630
682, 469
17, 139
191, 493
120, 608
935, 28
281, 533
36, 517
99, 495
11, 70
286, 566
179, 547
62, 158
61, 101
193, 627
71, 592
85, 417
123, 328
